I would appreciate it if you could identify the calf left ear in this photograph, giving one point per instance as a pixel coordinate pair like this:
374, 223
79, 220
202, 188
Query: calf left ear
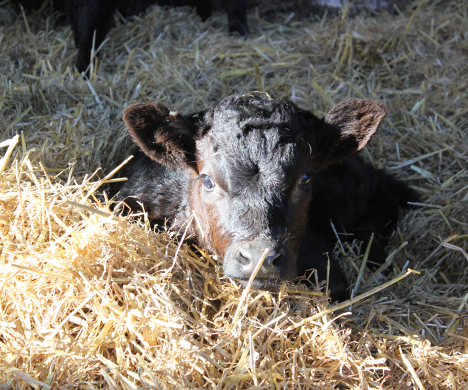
345, 130
163, 135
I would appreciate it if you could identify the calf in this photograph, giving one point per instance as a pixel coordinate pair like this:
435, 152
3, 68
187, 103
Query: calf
260, 173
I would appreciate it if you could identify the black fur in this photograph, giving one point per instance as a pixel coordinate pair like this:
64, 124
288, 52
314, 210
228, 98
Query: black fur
266, 174
237, 16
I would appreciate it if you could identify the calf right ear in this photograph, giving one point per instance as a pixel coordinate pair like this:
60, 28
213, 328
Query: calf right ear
163, 135
345, 130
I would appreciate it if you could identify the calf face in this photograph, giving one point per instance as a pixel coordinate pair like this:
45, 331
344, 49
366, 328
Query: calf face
246, 169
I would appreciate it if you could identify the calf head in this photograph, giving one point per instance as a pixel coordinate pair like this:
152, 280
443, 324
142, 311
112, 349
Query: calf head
252, 160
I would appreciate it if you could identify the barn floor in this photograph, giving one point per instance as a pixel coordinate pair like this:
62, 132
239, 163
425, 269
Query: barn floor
93, 301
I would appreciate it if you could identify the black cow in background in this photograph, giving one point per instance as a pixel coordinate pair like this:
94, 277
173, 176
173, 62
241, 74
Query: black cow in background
260, 173
89, 17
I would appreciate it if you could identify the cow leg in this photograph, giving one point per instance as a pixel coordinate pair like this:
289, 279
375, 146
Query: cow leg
237, 16
203, 9
86, 18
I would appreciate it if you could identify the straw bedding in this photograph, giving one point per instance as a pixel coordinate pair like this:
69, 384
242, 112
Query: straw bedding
91, 300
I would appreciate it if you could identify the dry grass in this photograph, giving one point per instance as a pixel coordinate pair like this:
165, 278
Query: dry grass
89, 300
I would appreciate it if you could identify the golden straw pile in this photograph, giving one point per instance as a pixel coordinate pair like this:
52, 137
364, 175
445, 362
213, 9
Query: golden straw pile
90, 300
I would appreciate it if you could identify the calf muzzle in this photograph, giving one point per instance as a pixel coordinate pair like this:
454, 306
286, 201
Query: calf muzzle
245, 255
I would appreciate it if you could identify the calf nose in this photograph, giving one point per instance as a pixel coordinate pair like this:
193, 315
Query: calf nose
250, 253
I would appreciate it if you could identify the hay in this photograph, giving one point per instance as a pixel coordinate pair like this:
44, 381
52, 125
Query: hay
91, 300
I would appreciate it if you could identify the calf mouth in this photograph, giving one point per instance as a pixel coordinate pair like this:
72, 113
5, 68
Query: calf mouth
272, 283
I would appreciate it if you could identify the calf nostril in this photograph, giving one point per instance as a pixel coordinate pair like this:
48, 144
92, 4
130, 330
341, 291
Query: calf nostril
274, 260
248, 256
243, 257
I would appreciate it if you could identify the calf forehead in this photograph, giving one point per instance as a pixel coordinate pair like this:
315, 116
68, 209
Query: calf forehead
237, 115
256, 160
255, 143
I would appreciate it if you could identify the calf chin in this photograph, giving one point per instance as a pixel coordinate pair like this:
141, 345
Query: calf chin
280, 264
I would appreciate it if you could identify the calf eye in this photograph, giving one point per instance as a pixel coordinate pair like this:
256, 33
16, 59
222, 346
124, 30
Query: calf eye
306, 180
208, 183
